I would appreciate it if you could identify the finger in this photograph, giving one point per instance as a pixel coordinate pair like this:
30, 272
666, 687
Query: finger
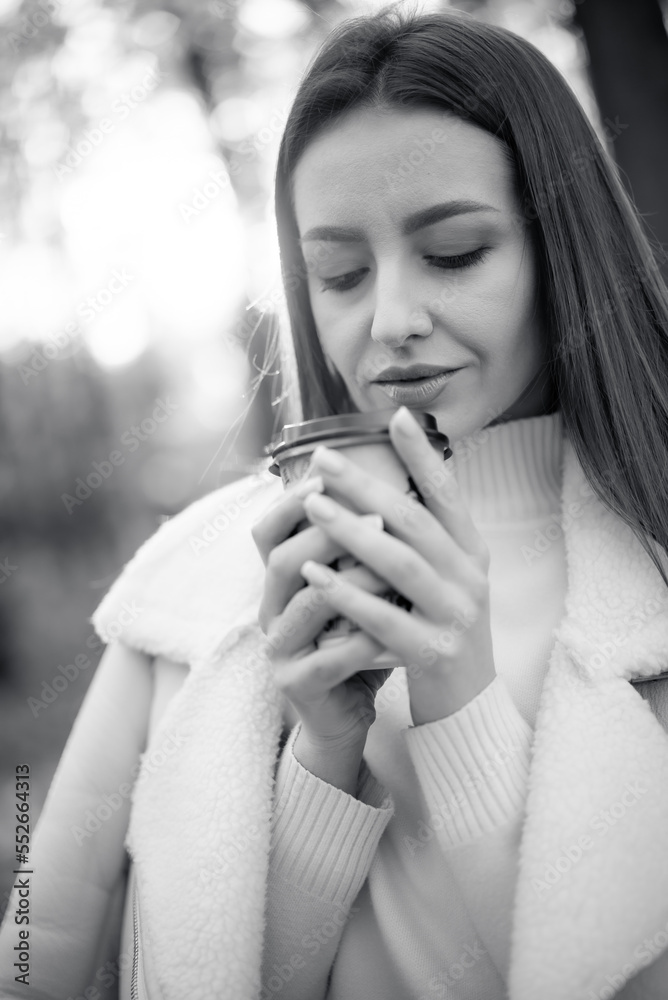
312, 676
283, 517
403, 516
283, 579
435, 481
404, 569
397, 630
309, 611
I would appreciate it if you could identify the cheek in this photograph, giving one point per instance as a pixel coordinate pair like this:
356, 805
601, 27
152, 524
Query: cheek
505, 303
337, 336
520, 347
523, 281
342, 352
511, 284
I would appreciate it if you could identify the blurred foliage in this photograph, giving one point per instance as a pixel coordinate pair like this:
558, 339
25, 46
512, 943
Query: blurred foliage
238, 56
64, 68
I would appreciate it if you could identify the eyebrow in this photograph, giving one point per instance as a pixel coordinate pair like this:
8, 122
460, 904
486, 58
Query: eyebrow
411, 224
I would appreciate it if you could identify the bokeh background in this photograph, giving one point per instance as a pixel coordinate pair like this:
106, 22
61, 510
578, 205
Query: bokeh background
139, 283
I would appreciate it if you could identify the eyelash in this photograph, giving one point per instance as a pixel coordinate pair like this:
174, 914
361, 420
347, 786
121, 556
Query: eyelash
344, 282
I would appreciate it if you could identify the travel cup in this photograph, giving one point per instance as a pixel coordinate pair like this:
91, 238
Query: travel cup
365, 439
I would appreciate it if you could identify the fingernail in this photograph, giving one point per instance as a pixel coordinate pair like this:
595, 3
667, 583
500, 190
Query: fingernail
328, 459
316, 574
314, 484
320, 507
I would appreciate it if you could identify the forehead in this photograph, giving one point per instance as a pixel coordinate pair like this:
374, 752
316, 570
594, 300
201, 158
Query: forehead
381, 163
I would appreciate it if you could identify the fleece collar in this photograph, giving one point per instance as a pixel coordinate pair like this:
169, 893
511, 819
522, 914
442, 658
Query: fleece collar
591, 904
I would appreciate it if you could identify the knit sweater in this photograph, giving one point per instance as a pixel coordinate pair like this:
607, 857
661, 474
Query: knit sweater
412, 881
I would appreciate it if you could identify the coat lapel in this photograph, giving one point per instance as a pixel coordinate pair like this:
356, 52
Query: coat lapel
200, 826
592, 887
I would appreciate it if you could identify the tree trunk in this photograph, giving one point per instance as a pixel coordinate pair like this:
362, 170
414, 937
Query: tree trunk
628, 57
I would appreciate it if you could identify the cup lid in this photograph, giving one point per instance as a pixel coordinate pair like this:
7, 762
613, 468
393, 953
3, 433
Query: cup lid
349, 425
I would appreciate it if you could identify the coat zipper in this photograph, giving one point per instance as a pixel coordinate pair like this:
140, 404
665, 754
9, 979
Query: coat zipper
138, 987
134, 984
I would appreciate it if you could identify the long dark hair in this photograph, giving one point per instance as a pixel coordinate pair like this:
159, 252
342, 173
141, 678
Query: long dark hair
603, 302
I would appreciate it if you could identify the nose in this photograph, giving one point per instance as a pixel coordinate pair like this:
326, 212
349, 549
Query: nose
399, 312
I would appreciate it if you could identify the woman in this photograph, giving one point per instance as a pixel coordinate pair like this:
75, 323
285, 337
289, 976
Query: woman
443, 220
454, 239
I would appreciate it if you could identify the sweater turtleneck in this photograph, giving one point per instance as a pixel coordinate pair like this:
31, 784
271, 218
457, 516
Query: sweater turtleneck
509, 477
511, 471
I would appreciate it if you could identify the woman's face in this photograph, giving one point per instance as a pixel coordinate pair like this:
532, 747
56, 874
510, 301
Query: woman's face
417, 256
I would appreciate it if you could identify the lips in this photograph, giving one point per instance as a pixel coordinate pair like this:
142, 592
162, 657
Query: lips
416, 385
412, 373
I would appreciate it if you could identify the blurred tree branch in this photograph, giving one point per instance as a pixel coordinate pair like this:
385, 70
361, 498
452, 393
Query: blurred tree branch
628, 62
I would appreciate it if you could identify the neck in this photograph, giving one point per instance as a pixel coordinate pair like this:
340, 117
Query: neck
538, 399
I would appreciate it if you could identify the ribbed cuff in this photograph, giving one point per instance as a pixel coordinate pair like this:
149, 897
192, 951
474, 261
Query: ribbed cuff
473, 766
324, 840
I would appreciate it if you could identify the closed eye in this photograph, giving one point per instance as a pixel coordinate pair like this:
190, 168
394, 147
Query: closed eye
458, 260
343, 282
349, 280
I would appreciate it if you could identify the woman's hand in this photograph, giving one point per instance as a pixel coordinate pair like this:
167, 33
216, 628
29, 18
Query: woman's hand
333, 688
433, 556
